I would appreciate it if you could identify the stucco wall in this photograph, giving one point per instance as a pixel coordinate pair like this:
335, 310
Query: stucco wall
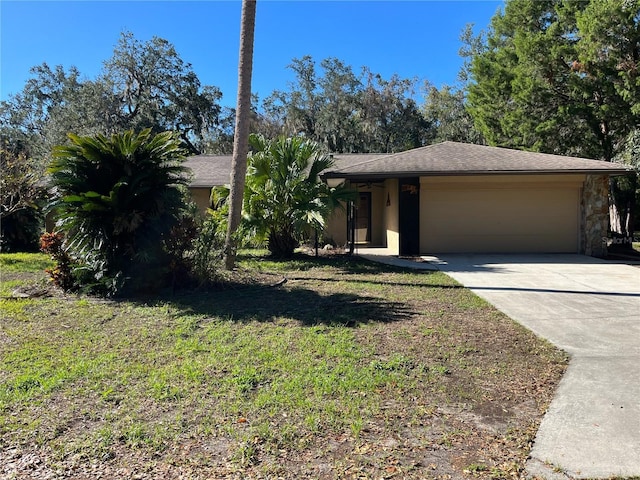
201, 197
390, 218
336, 228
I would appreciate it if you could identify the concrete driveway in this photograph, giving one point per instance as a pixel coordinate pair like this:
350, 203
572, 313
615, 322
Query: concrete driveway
591, 309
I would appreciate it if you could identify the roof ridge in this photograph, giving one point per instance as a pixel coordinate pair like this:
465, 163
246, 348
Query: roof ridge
390, 155
523, 151
382, 155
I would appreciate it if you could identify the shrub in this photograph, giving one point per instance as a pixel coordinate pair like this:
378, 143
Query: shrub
285, 200
62, 273
20, 231
208, 246
116, 200
21, 199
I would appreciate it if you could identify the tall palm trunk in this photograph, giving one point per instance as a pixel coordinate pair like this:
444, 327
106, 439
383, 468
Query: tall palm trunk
241, 135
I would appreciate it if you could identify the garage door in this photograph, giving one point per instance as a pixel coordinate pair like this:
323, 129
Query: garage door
478, 217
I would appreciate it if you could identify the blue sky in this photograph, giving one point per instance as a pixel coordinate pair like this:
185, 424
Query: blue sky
410, 38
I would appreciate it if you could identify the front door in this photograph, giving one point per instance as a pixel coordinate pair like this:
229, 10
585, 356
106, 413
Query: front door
409, 216
363, 218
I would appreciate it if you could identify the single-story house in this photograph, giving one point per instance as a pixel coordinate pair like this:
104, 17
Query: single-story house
459, 198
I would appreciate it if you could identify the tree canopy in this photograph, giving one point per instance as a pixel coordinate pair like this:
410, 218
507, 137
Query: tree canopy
143, 85
146, 84
445, 111
561, 76
347, 112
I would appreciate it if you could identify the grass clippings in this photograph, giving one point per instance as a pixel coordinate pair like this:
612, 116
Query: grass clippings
349, 369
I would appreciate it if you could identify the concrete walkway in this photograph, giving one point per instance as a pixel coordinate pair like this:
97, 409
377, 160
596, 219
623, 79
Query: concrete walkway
591, 309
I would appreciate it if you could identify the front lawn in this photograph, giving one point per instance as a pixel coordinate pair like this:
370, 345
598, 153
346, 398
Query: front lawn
349, 369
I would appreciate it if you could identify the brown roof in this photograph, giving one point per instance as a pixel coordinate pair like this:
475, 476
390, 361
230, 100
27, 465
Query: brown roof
213, 170
209, 170
447, 158
343, 160
453, 158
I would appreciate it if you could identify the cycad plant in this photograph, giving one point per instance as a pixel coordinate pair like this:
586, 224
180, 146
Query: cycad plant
285, 199
115, 199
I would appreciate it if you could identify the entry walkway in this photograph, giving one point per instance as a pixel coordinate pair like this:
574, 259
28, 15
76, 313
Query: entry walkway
591, 309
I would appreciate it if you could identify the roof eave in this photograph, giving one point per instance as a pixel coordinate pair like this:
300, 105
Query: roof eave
459, 173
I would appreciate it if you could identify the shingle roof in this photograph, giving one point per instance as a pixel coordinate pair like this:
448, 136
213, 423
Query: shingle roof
209, 170
453, 158
213, 170
447, 158
343, 160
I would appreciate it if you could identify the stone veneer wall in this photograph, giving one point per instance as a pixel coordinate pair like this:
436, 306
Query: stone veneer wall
595, 215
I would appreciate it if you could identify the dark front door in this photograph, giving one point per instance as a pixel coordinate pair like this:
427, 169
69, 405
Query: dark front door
409, 216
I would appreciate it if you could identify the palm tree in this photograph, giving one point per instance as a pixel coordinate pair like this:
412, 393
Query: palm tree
285, 199
115, 199
241, 136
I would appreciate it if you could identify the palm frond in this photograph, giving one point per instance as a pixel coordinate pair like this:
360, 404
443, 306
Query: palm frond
116, 196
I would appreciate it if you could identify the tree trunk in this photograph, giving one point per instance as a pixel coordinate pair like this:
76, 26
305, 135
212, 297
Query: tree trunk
282, 244
241, 135
622, 209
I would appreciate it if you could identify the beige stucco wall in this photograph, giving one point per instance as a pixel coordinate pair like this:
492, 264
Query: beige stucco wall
336, 228
390, 218
534, 213
201, 197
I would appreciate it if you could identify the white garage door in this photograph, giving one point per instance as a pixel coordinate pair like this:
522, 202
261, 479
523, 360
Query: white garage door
478, 217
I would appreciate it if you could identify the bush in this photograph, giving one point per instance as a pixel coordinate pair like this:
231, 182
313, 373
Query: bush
21, 199
20, 231
208, 246
285, 200
62, 273
196, 245
116, 200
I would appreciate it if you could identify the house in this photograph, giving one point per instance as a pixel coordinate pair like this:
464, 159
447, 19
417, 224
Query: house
208, 171
462, 198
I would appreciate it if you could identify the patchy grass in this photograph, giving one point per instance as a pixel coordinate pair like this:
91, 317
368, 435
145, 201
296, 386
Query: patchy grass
348, 370
18, 270
24, 262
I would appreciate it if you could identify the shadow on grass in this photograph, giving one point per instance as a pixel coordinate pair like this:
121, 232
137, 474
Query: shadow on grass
423, 281
244, 303
247, 301
298, 304
303, 262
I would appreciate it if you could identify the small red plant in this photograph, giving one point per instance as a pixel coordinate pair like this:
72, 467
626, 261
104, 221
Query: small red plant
53, 244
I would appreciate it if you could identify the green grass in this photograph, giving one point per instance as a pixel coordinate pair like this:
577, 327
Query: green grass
17, 270
345, 349
24, 262
142, 358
